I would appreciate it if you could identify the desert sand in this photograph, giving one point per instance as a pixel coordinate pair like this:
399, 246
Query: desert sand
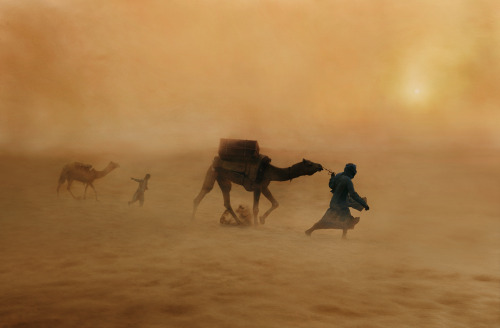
407, 90
425, 255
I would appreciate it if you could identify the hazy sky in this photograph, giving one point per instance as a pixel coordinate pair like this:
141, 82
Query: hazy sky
153, 74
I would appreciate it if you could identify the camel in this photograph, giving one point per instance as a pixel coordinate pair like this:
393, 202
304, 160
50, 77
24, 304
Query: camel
84, 173
270, 173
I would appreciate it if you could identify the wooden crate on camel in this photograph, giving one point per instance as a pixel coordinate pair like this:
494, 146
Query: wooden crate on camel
243, 161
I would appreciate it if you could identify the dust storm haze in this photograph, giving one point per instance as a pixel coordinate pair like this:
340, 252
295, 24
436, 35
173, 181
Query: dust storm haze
407, 90
83, 74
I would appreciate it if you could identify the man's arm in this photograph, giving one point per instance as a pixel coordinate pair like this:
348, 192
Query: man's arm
331, 183
138, 180
354, 195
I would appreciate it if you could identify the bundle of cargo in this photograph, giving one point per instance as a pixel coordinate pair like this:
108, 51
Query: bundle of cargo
241, 160
238, 150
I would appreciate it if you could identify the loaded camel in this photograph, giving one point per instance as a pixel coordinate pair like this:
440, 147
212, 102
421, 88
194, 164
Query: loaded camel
270, 173
84, 173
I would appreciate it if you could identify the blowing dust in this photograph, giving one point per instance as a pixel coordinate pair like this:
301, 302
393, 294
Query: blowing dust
426, 254
406, 91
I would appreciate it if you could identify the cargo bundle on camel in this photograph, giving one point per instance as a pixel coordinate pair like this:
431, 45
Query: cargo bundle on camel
240, 162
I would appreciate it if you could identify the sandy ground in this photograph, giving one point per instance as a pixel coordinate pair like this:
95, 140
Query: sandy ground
427, 254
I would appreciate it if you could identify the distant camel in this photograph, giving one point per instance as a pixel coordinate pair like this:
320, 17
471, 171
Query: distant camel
270, 173
84, 173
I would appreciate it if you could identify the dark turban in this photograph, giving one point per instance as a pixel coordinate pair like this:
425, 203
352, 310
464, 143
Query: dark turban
350, 170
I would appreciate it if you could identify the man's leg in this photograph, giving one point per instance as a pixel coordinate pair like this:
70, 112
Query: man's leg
319, 224
311, 229
134, 199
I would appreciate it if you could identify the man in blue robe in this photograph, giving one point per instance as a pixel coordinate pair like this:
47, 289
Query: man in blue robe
338, 216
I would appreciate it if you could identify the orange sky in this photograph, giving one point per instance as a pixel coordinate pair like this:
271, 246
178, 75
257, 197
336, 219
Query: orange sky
95, 75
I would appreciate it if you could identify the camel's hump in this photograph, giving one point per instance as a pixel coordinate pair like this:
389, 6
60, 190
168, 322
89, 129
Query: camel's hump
83, 165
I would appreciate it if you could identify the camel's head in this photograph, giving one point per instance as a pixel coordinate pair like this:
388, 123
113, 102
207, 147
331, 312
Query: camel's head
310, 167
113, 165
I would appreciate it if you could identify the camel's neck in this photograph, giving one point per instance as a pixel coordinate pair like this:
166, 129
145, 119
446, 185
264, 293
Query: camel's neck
107, 169
284, 174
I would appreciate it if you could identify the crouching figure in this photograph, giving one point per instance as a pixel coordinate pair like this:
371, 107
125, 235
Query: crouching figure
243, 213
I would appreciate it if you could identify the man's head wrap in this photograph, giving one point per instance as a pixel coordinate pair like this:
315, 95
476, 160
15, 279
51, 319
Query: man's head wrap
350, 170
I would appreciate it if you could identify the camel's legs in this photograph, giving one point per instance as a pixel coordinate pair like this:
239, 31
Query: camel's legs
58, 186
256, 197
274, 204
85, 192
208, 185
92, 186
62, 179
225, 186
70, 182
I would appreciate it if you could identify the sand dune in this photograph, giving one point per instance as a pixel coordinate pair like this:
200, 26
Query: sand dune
425, 255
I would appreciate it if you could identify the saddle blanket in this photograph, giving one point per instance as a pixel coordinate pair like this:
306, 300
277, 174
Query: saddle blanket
246, 173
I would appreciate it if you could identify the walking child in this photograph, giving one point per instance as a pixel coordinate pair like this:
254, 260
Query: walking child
139, 194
